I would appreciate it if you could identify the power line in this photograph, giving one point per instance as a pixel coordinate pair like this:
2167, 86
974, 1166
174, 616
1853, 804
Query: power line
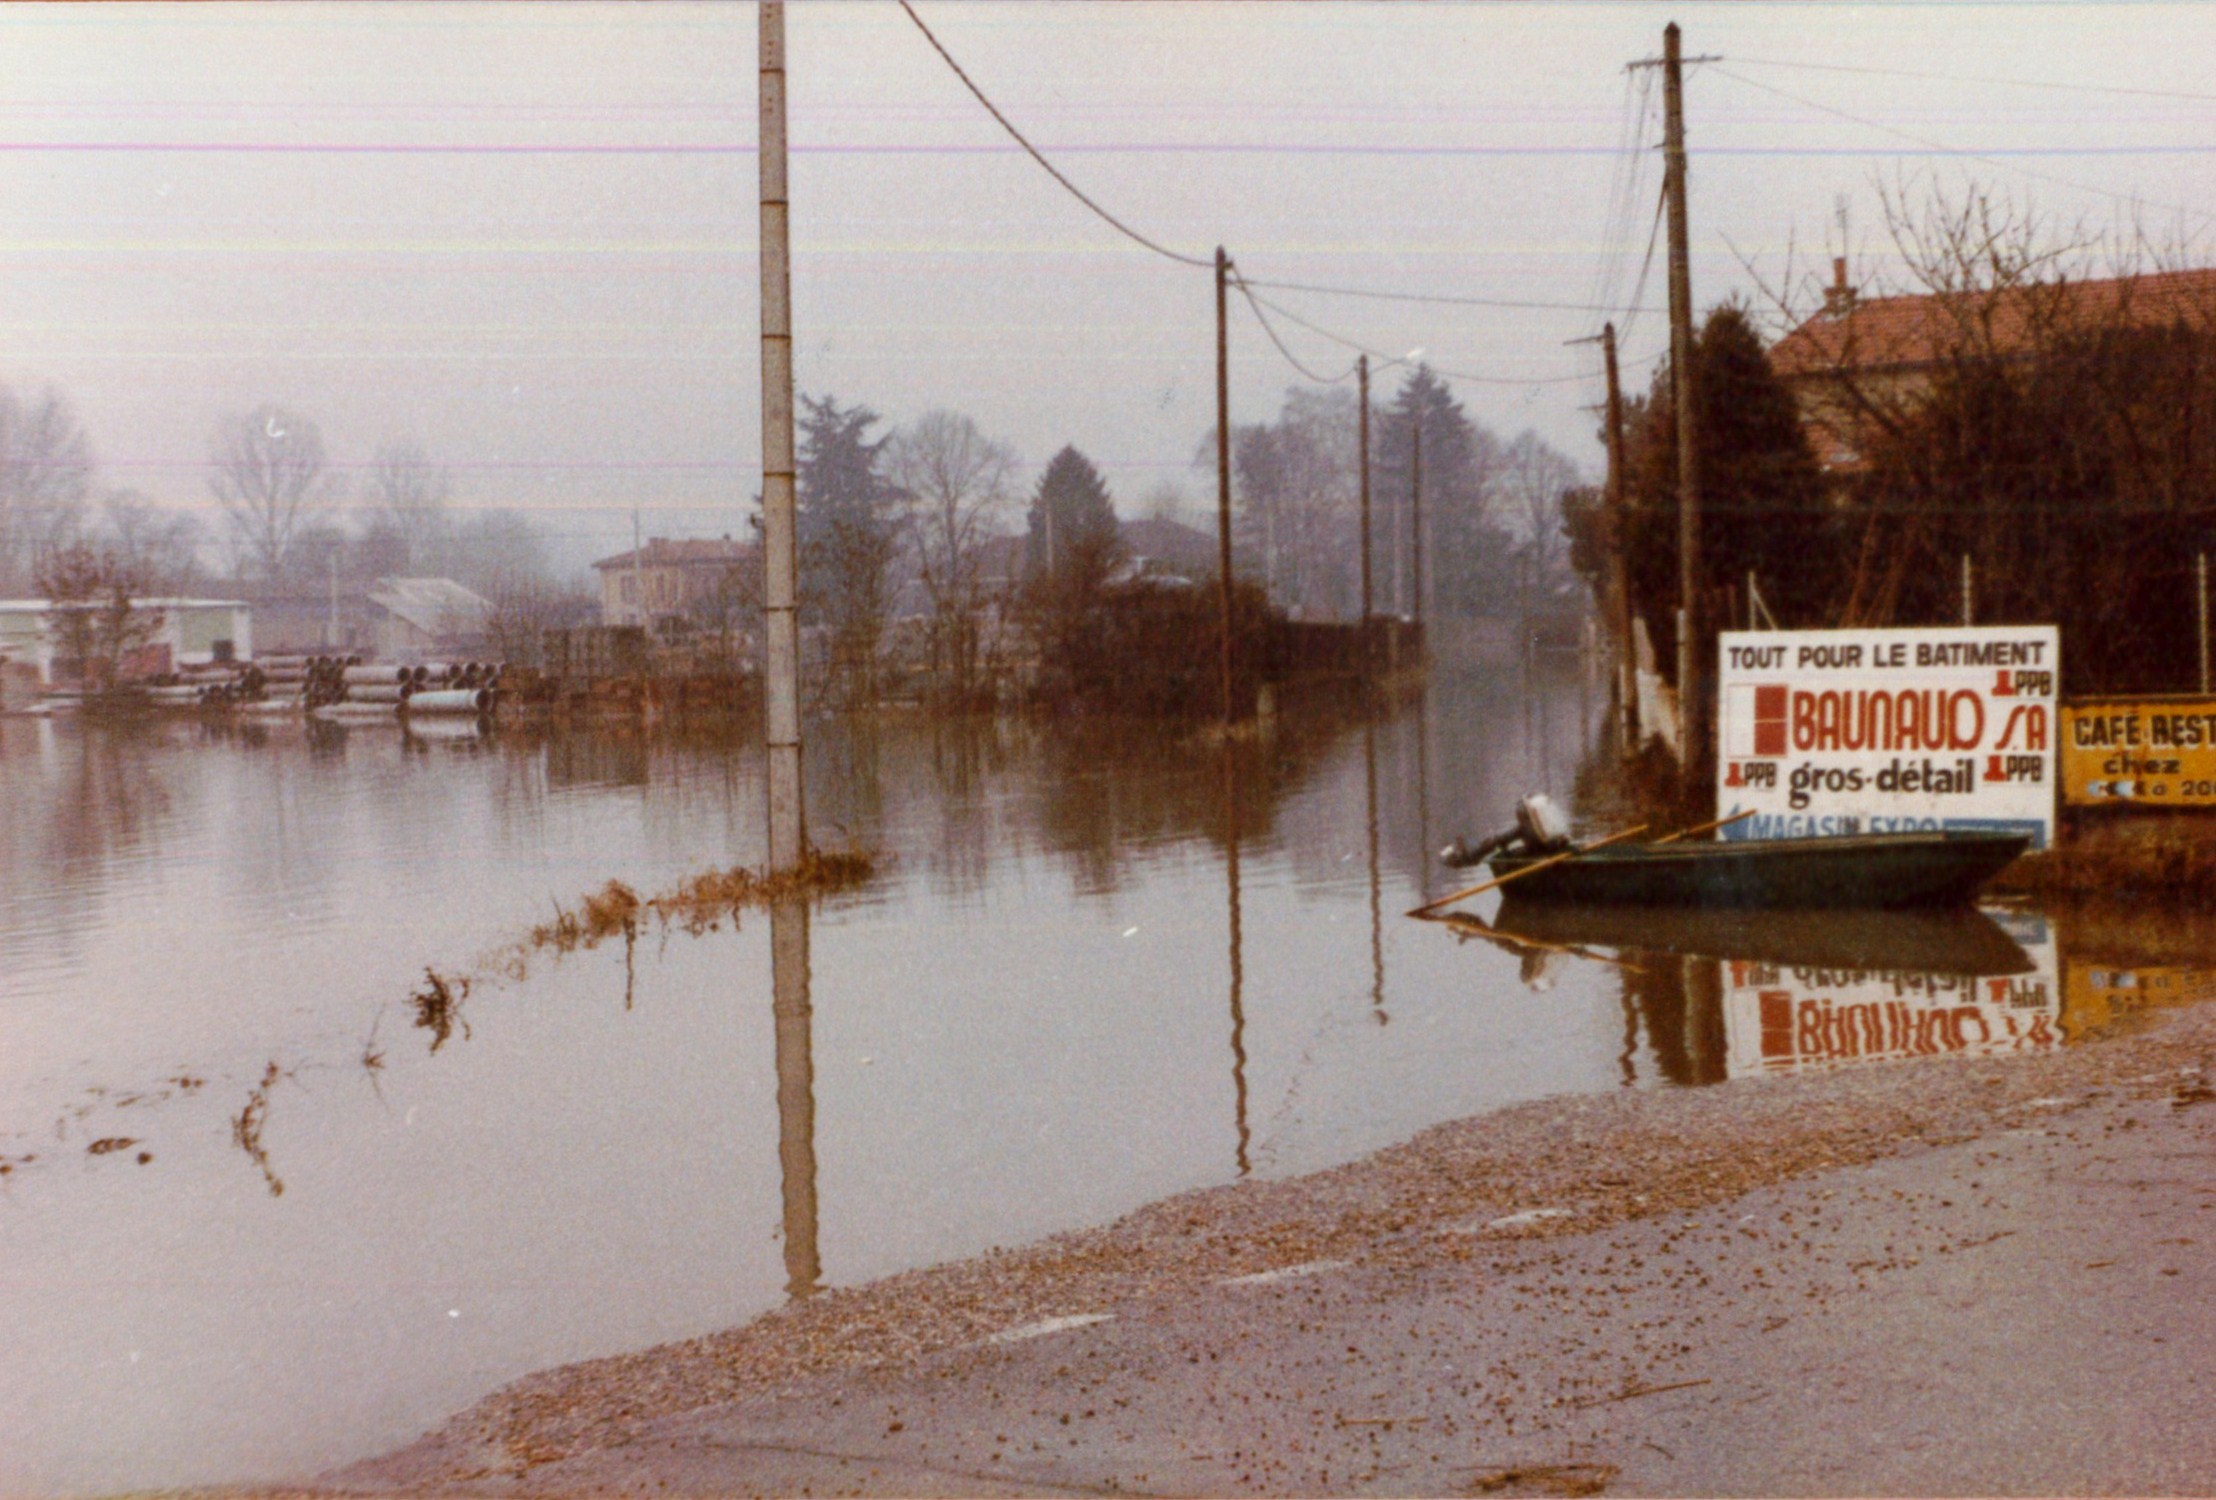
1942, 147
1402, 360
1036, 155
2015, 83
1206, 263
1263, 318
1440, 299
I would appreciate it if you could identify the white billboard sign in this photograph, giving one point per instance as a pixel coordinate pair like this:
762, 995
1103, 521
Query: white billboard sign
1879, 731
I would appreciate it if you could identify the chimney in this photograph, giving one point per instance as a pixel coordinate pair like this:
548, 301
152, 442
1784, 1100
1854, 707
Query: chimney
1838, 297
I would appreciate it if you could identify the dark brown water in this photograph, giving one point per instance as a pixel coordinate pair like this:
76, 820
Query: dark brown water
1100, 966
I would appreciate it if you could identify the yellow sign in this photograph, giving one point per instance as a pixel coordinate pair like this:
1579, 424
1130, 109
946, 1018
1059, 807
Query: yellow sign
2094, 994
2160, 751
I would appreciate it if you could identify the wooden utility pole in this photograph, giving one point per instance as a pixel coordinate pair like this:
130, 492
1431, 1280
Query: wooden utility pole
1685, 394
2202, 615
1362, 442
1415, 512
1223, 470
1619, 577
788, 827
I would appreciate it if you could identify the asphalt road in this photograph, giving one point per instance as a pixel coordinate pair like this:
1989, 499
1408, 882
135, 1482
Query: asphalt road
2030, 1312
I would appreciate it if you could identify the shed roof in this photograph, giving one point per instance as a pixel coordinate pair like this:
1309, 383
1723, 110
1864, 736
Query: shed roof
435, 606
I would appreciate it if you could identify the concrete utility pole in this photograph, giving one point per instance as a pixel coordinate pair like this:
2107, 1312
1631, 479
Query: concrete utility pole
1362, 442
1223, 470
638, 569
1685, 394
1618, 522
788, 825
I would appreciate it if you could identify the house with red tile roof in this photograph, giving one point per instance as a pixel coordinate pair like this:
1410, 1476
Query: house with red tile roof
1861, 355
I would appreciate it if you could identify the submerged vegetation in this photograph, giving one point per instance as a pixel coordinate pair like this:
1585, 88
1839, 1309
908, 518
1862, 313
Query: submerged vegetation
698, 903
2171, 860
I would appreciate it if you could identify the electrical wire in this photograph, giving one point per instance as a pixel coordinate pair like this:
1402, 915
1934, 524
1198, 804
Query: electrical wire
1040, 157
2015, 83
1267, 327
2002, 162
1440, 299
1382, 358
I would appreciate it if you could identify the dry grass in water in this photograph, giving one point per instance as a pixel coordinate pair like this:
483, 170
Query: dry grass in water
697, 904
2172, 859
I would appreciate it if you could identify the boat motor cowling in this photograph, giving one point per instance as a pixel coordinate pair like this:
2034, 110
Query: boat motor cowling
1541, 827
1544, 826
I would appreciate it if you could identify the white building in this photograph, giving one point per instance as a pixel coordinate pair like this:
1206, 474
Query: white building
189, 632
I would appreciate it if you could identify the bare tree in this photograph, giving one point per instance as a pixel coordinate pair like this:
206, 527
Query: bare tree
1532, 481
45, 471
410, 493
98, 623
956, 480
161, 547
268, 471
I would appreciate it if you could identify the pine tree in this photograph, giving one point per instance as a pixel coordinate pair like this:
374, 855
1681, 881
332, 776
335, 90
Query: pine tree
847, 530
1763, 505
1072, 521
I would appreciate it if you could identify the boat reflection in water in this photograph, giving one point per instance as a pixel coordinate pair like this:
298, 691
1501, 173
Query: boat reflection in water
1732, 994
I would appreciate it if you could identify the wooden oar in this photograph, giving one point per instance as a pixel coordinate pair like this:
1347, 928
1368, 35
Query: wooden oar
1686, 833
1553, 859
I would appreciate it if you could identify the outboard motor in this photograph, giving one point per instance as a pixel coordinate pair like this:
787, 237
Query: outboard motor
1541, 827
1544, 826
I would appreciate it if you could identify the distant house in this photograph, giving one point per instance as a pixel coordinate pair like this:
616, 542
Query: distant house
1159, 548
188, 632
1860, 350
412, 618
672, 579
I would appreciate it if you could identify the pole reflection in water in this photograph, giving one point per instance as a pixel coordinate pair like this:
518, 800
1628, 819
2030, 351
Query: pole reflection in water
796, 1093
1377, 924
1238, 965
1423, 789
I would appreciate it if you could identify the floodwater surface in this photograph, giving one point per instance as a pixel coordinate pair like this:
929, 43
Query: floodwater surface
271, 1199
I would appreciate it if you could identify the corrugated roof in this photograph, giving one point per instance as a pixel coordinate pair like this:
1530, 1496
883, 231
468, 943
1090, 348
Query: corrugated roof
435, 606
1881, 333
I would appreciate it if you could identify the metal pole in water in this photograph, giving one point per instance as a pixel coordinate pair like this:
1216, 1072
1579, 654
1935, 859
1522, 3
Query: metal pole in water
788, 829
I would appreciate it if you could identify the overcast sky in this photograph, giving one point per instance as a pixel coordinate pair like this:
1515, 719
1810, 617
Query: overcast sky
524, 236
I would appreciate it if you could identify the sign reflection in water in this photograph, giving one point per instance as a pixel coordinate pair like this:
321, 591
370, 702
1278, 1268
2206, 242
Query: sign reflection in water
1732, 995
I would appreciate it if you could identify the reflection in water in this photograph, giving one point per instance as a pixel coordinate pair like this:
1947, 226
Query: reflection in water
1377, 925
1726, 995
796, 1093
1238, 957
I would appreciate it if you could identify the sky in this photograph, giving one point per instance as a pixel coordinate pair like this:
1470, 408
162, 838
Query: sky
524, 236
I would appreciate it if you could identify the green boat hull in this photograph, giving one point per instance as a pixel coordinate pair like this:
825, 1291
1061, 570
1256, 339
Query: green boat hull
1880, 870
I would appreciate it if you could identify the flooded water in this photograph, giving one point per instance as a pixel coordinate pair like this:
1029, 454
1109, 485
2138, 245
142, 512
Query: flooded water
269, 1201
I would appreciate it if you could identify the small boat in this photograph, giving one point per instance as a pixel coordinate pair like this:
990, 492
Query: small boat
1874, 870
